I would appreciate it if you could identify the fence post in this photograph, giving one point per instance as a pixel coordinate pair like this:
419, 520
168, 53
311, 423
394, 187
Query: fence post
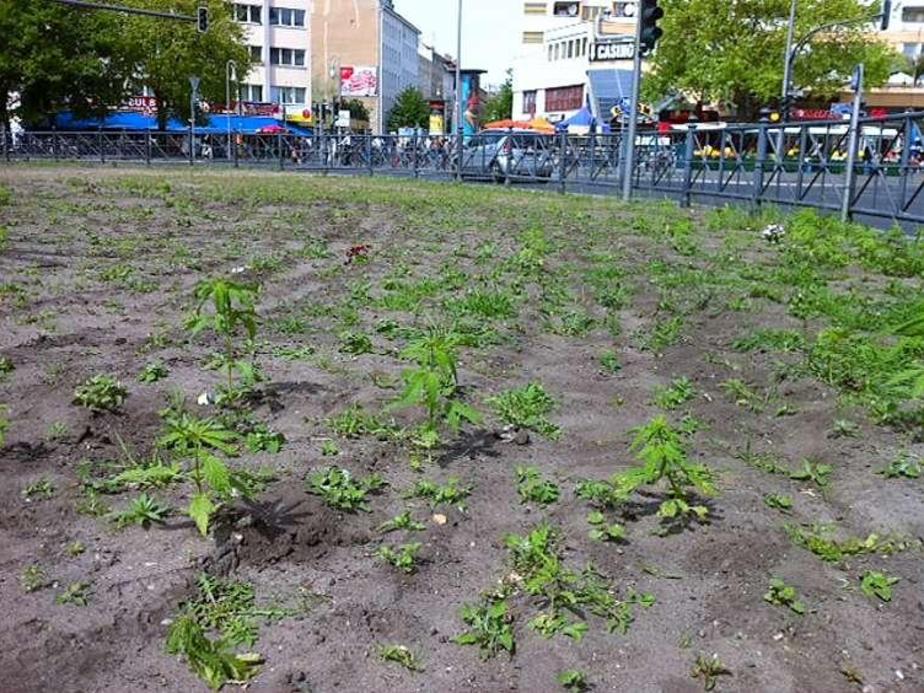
562, 160
369, 162
6, 149
237, 150
688, 144
416, 144
102, 153
853, 144
761, 160
279, 147
904, 168
147, 147
54, 144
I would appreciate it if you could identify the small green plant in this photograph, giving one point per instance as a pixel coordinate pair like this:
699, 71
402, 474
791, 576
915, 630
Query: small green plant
532, 488
42, 489
403, 557
75, 548
262, 439
213, 661
778, 502
329, 449
679, 393
6, 365
355, 421
875, 584
903, 466
609, 363
490, 627
781, 594
153, 474
771, 340
142, 511
77, 594
4, 423
573, 680
404, 521
742, 394
57, 430
355, 343
339, 490
526, 407
818, 541
399, 654
601, 530
548, 624
845, 429
153, 372
101, 393
450, 493
665, 333
233, 311
33, 578
813, 471
709, 669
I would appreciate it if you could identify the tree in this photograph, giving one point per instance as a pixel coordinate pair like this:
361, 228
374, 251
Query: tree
716, 50
54, 57
500, 105
167, 53
410, 110
357, 109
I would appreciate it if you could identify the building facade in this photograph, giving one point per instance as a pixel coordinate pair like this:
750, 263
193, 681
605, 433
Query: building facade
278, 33
365, 50
906, 35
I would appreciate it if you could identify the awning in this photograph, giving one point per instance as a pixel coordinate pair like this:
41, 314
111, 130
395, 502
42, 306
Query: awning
139, 122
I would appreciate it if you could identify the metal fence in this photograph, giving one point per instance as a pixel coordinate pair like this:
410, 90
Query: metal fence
802, 165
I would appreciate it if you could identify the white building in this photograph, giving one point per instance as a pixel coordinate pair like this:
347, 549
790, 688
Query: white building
572, 53
279, 35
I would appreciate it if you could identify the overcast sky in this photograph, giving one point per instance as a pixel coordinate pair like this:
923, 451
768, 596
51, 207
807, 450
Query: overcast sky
489, 30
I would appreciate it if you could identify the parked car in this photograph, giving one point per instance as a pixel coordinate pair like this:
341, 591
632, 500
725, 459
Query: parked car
503, 154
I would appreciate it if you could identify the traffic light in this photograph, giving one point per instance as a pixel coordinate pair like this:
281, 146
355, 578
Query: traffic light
650, 32
202, 19
886, 14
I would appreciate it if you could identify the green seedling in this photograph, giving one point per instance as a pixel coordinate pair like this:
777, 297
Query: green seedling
875, 584
742, 395
6, 366
198, 440
355, 421
573, 680
845, 429
57, 430
33, 578
777, 502
329, 449
781, 594
142, 511
157, 474
355, 344
76, 594
604, 531
447, 494
4, 423
679, 393
213, 661
764, 462
42, 489
831, 550
404, 521
532, 488
399, 654
403, 557
262, 439
101, 393
771, 340
232, 313
339, 490
75, 549
550, 624
490, 627
813, 471
665, 333
526, 407
609, 363
709, 669
153, 372
903, 466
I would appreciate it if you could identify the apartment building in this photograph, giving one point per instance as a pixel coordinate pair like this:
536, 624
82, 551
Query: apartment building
572, 53
906, 35
363, 49
278, 33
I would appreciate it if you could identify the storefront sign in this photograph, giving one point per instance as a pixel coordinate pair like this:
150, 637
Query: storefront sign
359, 81
612, 50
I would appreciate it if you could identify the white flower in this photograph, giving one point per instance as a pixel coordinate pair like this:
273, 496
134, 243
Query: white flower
239, 270
774, 233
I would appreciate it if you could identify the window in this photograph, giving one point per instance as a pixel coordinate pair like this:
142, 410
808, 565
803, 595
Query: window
252, 92
913, 15
551, 52
256, 54
570, 49
584, 46
557, 52
590, 13
287, 95
564, 98
911, 50
529, 102
248, 13
287, 56
566, 9
534, 8
283, 16
532, 37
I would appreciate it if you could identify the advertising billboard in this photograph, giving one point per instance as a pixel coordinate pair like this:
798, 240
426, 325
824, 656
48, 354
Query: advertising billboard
359, 80
471, 103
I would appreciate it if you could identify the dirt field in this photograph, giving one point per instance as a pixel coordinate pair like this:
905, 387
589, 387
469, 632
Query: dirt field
774, 364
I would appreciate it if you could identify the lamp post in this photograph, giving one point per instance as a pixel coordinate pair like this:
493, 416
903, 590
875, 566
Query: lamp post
230, 69
459, 127
333, 71
787, 64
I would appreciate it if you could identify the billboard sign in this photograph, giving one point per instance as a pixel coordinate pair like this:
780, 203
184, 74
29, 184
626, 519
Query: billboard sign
612, 50
359, 80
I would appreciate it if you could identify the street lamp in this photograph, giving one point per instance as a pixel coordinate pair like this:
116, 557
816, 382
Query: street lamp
459, 128
230, 73
333, 71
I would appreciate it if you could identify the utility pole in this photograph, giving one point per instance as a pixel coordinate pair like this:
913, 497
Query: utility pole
193, 93
459, 128
854, 139
200, 20
787, 64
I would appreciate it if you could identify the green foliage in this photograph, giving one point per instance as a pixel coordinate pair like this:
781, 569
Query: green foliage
213, 661
845, 429
573, 680
526, 407
875, 584
101, 393
490, 627
262, 439
742, 394
33, 578
709, 669
404, 521
339, 490
42, 489
771, 340
903, 466
533, 488
410, 110
679, 393
818, 541
76, 594
355, 343
403, 557
777, 502
400, 655
153, 372
355, 421
609, 362
813, 471
781, 594
143, 511
664, 334
228, 309
499, 106
450, 493
156, 474
551, 624
6, 367
604, 531
4, 423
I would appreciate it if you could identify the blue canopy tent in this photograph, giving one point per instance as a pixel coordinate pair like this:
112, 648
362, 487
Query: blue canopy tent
582, 119
139, 122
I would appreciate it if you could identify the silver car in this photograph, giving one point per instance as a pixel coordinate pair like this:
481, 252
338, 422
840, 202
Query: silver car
508, 155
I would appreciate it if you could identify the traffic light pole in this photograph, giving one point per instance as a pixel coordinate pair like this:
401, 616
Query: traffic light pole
127, 10
629, 144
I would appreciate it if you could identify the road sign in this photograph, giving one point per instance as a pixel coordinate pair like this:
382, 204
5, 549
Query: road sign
194, 83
